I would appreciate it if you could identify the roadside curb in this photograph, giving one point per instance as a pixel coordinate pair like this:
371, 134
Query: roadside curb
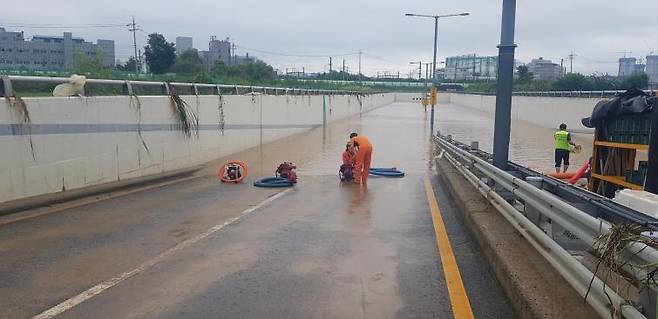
23, 204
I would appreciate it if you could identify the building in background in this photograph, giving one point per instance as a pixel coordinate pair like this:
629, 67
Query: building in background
218, 50
652, 68
471, 67
627, 66
224, 51
543, 69
638, 68
50, 52
183, 44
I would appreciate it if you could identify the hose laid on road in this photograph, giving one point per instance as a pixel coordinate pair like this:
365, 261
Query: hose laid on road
386, 171
272, 182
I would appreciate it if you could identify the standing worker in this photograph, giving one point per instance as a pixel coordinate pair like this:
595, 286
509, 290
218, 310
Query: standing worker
562, 149
363, 158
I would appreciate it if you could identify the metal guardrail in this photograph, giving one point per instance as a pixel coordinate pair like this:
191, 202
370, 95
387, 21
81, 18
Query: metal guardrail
581, 94
6, 89
480, 173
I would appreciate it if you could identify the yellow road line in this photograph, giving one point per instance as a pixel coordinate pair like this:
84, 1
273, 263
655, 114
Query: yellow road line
461, 307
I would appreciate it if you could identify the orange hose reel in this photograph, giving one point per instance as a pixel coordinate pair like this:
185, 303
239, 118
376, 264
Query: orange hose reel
232, 172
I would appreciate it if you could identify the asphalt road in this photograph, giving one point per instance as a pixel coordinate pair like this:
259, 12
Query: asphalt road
201, 249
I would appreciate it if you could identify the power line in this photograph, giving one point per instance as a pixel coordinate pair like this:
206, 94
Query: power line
296, 55
384, 60
59, 26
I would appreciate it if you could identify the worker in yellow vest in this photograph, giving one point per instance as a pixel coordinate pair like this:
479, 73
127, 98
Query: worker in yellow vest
562, 148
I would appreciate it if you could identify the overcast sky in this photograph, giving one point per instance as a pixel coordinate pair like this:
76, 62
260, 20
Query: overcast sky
597, 31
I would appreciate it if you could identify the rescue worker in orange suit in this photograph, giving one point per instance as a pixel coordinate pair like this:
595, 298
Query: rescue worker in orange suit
363, 158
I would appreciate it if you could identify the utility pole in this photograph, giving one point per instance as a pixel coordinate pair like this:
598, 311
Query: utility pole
330, 66
133, 27
359, 64
571, 62
344, 70
235, 55
502, 119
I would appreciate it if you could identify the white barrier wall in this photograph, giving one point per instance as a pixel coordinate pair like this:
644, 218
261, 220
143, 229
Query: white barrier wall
543, 111
75, 142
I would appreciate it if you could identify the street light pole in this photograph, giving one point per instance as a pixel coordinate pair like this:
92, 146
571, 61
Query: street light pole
505, 85
436, 34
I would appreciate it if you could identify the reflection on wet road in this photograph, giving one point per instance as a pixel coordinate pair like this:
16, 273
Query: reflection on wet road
324, 250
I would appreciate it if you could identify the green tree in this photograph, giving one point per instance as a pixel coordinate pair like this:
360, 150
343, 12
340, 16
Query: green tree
90, 64
188, 62
525, 76
637, 80
219, 69
253, 72
160, 54
129, 66
572, 82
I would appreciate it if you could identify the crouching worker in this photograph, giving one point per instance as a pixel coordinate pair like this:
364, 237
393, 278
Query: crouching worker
346, 171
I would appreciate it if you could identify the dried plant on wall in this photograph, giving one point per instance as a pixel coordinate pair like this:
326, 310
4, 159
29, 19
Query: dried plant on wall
19, 108
188, 121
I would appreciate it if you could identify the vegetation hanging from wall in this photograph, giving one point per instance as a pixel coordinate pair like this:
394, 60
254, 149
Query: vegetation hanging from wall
134, 101
221, 113
187, 119
18, 107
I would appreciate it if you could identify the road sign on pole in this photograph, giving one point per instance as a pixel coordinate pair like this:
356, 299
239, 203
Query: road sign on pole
433, 94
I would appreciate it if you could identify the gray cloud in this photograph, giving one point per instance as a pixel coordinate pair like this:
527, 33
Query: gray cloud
595, 30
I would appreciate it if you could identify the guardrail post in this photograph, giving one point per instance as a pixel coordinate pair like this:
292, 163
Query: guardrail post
128, 88
195, 89
7, 89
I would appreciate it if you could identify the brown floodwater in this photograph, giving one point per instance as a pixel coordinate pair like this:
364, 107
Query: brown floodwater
530, 145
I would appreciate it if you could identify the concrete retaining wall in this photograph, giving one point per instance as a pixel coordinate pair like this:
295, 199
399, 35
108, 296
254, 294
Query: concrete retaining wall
72, 143
547, 112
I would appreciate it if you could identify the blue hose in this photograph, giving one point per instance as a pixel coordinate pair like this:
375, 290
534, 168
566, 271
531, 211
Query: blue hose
385, 171
272, 182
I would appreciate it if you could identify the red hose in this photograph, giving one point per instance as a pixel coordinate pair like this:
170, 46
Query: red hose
579, 173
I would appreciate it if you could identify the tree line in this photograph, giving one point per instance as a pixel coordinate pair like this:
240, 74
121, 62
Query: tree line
525, 81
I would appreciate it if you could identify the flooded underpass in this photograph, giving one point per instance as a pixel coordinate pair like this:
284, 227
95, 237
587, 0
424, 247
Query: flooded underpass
198, 248
530, 145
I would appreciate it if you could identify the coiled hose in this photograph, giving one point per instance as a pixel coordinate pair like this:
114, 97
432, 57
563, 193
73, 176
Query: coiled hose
386, 171
272, 182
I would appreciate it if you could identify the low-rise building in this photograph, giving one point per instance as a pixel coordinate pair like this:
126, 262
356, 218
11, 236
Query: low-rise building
652, 68
471, 67
543, 69
183, 44
49, 52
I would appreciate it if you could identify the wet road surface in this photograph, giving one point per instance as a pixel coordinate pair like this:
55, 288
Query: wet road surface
200, 249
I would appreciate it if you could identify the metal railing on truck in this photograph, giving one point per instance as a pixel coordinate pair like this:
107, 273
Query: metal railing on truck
503, 188
129, 87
